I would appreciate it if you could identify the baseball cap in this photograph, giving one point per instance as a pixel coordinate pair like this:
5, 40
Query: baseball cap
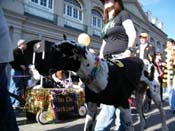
145, 35
21, 41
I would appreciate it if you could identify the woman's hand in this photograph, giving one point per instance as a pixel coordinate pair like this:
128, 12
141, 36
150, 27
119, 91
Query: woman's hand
102, 49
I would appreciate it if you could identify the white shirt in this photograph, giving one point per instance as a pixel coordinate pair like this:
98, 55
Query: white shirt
142, 49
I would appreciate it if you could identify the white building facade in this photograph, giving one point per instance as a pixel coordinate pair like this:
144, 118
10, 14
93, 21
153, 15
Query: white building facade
49, 19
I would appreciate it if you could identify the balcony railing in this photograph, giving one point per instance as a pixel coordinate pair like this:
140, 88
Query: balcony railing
68, 22
96, 31
40, 12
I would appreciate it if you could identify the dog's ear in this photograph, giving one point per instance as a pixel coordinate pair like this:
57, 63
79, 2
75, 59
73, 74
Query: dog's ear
72, 48
54, 48
83, 52
79, 51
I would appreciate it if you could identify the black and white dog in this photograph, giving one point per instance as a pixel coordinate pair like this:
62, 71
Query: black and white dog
108, 82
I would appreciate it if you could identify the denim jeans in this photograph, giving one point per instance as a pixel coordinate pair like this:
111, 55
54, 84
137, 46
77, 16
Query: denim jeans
105, 118
16, 86
171, 95
7, 115
109, 112
171, 99
170, 91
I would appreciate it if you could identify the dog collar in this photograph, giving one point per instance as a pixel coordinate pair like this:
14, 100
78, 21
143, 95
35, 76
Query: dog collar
93, 72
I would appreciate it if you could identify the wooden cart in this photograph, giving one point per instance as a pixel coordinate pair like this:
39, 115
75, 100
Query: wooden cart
54, 104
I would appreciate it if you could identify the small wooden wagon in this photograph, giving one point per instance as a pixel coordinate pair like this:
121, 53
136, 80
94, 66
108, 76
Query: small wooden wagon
53, 104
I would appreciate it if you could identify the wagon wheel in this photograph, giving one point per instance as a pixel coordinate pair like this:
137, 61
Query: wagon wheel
82, 111
37, 116
41, 117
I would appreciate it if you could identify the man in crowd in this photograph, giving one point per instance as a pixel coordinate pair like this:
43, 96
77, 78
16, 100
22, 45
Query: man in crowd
147, 53
17, 83
168, 77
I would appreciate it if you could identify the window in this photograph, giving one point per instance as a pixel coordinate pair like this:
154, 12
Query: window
152, 41
80, 15
72, 8
69, 10
158, 44
35, 1
75, 13
50, 4
44, 3
96, 19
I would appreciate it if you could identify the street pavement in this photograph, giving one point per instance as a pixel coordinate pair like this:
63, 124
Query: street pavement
76, 124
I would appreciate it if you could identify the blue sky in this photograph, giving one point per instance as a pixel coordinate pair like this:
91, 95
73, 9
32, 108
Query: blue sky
164, 10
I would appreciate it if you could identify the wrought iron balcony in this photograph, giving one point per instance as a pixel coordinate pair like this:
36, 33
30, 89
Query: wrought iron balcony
96, 32
68, 22
40, 12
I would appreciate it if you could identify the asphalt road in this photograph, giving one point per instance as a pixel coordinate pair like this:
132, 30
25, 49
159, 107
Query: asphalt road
76, 124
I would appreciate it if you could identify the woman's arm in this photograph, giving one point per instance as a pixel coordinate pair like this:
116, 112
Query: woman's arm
130, 31
101, 55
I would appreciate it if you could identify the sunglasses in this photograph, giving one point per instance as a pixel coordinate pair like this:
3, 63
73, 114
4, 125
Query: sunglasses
143, 37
